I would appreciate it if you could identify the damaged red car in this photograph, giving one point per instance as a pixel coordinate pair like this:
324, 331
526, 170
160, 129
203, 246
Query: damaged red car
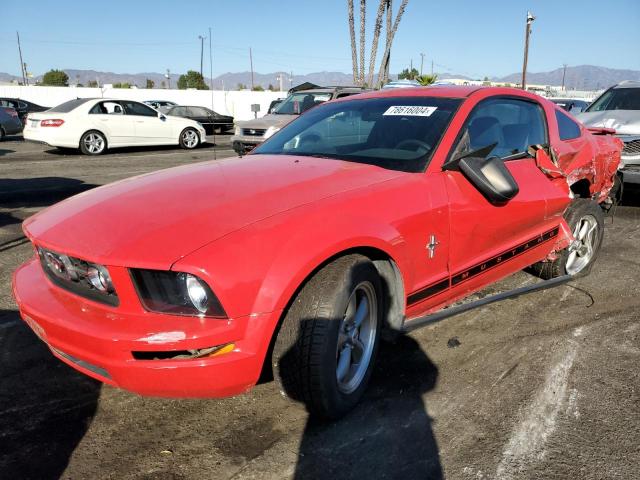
365, 215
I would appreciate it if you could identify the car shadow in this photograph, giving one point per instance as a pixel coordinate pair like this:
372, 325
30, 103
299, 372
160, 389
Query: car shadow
630, 195
16, 193
389, 434
45, 406
4, 151
120, 151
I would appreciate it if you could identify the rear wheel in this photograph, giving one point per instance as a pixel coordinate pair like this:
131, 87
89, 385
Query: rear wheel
326, 347
189, 138
586, 220
93, 143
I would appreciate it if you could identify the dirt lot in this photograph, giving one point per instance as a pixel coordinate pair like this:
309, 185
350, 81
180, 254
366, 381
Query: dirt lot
544, 386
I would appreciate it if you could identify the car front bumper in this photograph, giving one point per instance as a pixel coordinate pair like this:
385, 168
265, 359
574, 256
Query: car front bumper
244, 143
99, 340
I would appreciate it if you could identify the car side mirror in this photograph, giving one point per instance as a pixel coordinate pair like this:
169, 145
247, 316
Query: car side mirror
491, 177
161, 116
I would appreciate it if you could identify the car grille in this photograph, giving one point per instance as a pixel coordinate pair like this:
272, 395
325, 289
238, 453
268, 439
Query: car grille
631, 148
253, 132
71, 275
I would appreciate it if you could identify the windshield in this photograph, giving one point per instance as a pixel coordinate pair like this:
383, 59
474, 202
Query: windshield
300, 102
394, 133
617, 99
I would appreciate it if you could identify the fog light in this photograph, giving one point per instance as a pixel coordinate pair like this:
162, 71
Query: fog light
197, 293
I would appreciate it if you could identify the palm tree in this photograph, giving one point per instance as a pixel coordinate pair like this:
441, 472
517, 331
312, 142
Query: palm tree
363, 18
383, 76
376, 35
352, 32
427, 79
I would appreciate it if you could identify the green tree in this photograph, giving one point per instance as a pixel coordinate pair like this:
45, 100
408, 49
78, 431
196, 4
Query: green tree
407, 74
122, 85
241, 86
427, 79
150, 83
92, 84
271, 88
55, 78
192, 79
258, 88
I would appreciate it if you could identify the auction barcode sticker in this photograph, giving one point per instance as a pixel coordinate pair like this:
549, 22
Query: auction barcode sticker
416, 111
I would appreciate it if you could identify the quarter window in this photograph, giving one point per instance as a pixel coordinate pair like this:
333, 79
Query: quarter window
567, 128
512, 125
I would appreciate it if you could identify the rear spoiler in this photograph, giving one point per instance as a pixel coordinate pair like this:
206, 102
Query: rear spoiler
601, 131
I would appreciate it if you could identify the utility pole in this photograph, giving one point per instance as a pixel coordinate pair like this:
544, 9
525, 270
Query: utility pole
168, 77
564, 72
411, 66
432, 68
211, 68
24, 75
530, 19
201, 37
251, 62
421, 62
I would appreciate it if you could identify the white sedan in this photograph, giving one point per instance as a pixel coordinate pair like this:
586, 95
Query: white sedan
95, 124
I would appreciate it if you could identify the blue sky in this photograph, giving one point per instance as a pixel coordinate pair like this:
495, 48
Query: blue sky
475, 38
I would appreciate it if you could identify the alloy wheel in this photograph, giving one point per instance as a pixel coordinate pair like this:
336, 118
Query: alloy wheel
356, 338
583, 247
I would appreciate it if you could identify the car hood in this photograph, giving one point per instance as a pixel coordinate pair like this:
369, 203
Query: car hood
151, 221
625, 122
271, 120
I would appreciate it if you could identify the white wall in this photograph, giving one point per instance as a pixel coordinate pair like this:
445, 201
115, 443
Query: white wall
236, 103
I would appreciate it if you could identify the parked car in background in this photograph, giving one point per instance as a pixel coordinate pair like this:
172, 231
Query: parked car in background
96, 124
160, 105
212, 122
402, 84
274, 104
10, 123
619, 108
251, 133
23, 107
364, 214
572, 105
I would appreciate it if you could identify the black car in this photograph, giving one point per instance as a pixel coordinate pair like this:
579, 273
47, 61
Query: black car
572, 105
9, 122
210, 120
21, 106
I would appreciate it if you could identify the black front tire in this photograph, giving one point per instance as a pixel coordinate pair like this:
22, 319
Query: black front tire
305, 356
579, 210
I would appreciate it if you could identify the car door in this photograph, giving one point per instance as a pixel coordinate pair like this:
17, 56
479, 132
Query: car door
110, 118
150, 127
489, 241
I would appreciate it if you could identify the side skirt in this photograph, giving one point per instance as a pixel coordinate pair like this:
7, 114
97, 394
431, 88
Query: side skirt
415, 323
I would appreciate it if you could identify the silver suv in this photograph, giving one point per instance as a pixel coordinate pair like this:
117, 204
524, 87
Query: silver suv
251, 133
619, 108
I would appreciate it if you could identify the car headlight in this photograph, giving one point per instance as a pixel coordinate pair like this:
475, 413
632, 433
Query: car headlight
270, 131
87, 279
176, 293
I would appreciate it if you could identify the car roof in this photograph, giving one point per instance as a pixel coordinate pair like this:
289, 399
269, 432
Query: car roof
628, 84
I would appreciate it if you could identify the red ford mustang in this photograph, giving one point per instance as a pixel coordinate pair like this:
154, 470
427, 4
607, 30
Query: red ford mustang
364, 214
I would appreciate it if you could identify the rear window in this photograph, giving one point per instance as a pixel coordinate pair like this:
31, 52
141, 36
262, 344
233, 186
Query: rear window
66, 107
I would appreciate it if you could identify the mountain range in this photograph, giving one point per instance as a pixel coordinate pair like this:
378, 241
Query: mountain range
582, 77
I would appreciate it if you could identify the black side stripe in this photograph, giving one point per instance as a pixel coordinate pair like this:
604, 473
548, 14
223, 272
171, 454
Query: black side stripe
442, 285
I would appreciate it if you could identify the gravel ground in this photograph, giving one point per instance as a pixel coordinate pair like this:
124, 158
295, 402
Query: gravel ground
543, 386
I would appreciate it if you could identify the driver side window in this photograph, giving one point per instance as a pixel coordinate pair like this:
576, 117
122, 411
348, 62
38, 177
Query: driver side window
511, 125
